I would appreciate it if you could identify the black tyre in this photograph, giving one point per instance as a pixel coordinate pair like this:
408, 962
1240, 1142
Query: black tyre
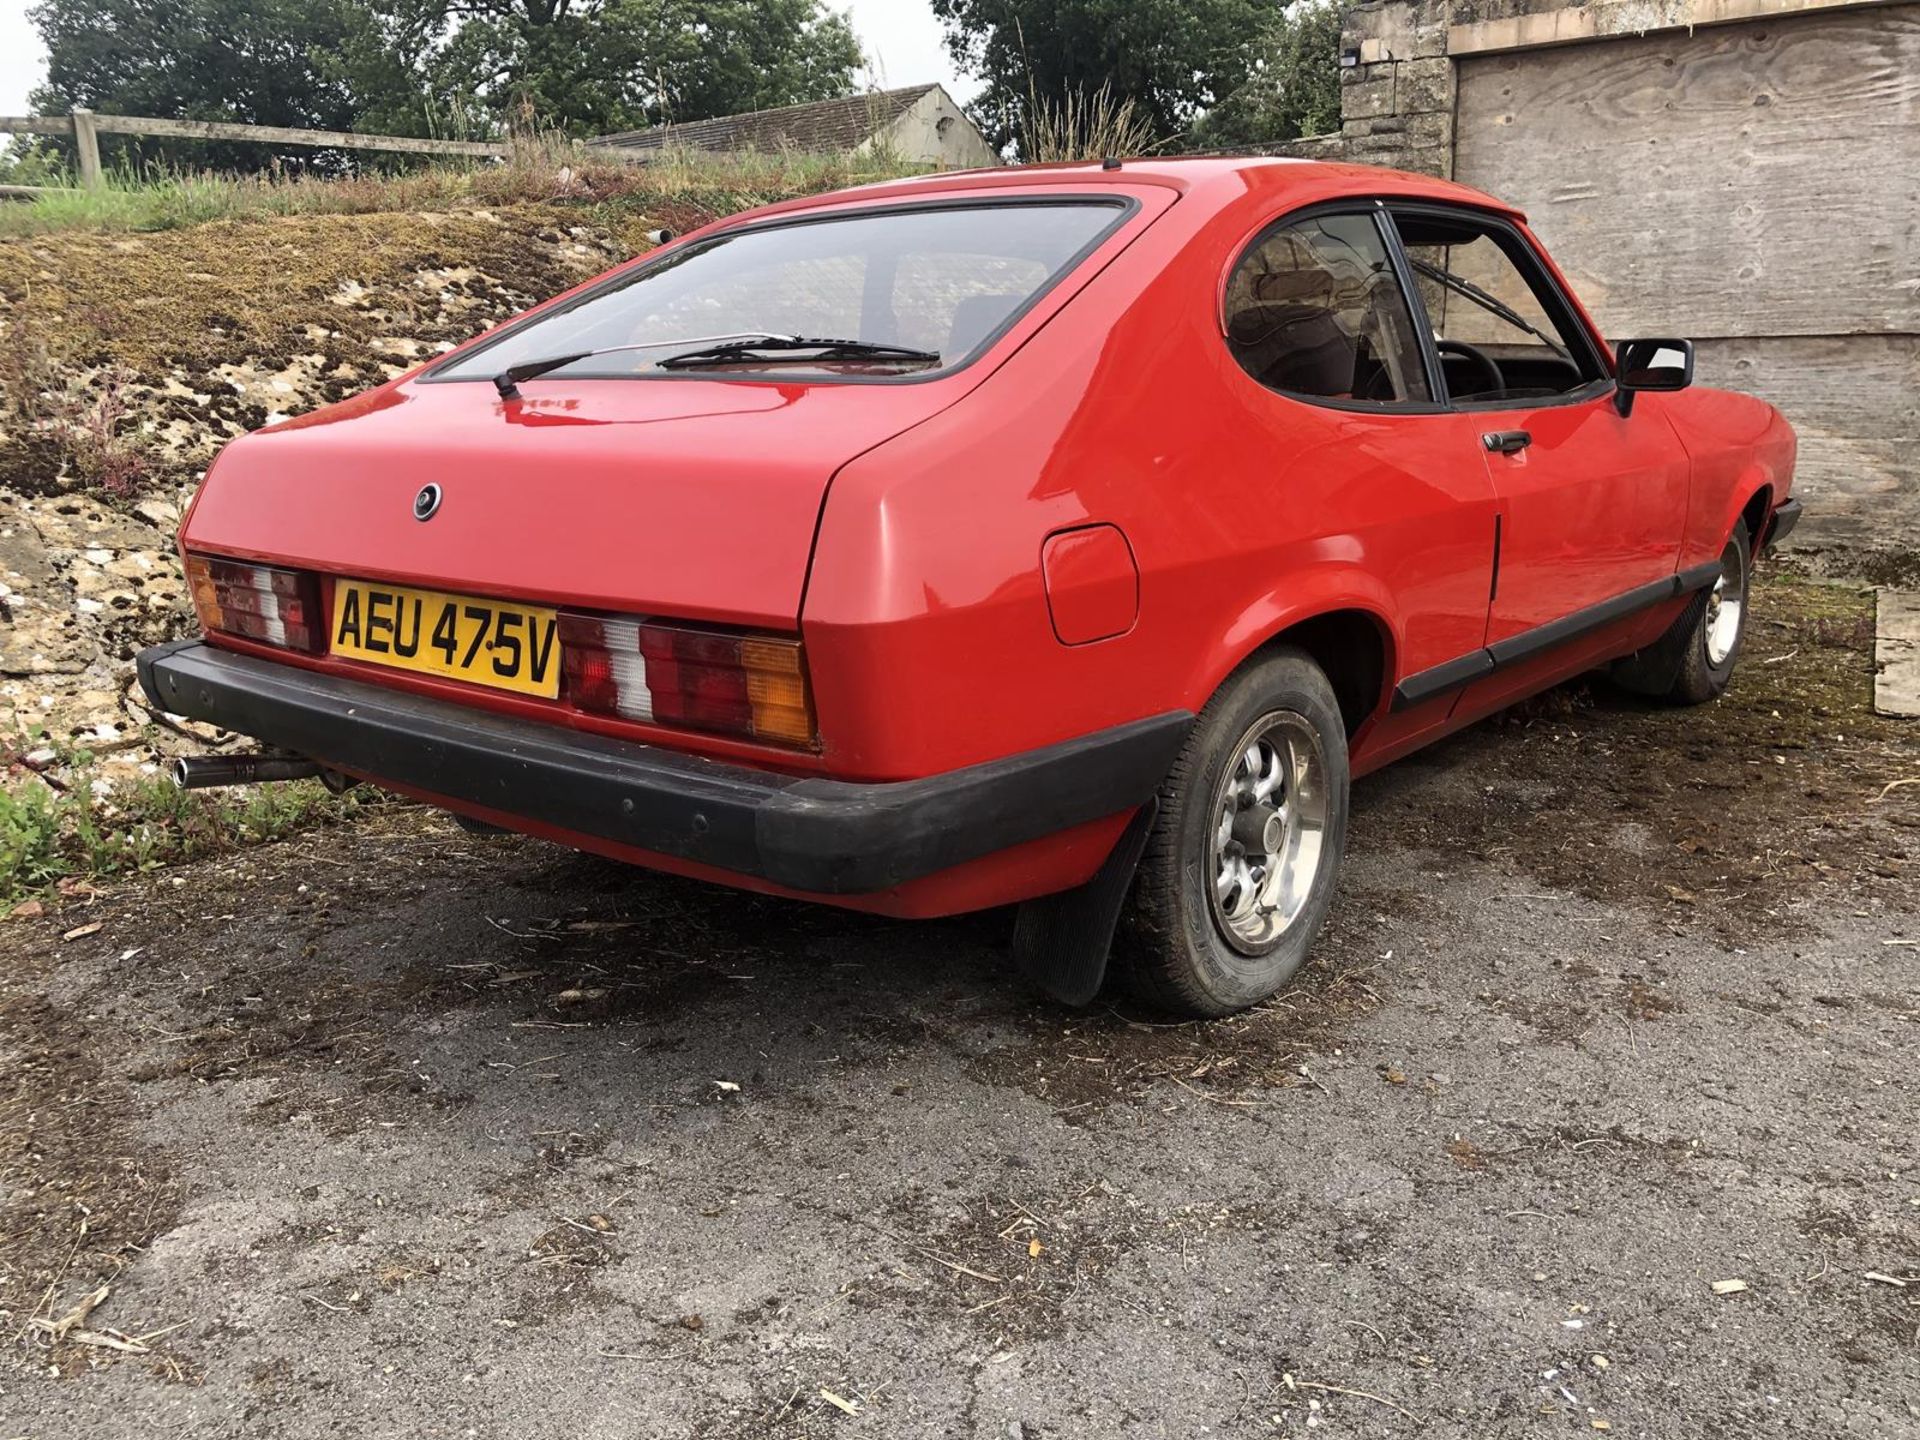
1720, 624
1693, 661
1240, 867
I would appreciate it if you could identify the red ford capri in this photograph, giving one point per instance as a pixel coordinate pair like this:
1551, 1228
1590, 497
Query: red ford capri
1063, 537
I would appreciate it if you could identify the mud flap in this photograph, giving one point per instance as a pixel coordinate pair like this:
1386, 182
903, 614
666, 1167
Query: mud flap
1061, 942
1656, 669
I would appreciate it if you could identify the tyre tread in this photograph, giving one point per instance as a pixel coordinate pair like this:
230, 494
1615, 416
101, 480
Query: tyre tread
1147, 963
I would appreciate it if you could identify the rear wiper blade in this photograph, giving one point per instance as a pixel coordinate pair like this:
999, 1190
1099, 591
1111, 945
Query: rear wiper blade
767, 349
507, 382
1487, 302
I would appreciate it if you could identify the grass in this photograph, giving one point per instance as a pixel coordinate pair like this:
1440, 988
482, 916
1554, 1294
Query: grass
86, 830
537, 171
1081, 126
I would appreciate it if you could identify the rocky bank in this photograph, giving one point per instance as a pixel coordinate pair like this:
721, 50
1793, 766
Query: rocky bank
126, 361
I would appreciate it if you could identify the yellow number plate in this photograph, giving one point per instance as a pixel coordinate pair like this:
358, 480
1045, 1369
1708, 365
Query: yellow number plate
484, 642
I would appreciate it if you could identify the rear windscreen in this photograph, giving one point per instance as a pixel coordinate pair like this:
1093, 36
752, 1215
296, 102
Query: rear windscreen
938, 280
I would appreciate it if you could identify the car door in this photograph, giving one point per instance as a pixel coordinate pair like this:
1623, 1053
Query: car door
1317, 314
1591, 502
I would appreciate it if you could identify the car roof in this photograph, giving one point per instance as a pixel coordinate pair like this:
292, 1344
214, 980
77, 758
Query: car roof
1224, 176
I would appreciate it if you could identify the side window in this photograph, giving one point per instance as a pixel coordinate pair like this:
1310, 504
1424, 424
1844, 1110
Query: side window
1502, 330
1314, 309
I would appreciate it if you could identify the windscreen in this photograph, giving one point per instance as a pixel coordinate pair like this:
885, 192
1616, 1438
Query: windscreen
942, 281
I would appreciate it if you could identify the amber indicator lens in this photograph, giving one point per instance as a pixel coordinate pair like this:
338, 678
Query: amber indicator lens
257, 602
732, 684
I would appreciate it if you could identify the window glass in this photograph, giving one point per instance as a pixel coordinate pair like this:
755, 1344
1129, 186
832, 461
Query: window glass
1314, 309
1502, 333
951, 302
939, 279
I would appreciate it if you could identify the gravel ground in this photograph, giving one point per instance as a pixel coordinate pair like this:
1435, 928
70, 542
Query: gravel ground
388, 1131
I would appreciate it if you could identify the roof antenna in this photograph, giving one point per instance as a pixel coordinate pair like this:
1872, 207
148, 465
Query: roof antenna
1112, 162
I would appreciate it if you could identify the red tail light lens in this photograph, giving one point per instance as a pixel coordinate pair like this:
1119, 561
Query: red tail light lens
744, 685
259, 602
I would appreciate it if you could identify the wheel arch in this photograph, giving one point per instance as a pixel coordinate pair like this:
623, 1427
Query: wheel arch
1749, 501
1347, 632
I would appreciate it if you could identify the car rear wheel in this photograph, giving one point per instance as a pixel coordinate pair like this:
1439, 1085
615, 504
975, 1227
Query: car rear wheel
1240, 867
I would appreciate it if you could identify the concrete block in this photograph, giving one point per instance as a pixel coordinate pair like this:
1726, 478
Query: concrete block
1896, 654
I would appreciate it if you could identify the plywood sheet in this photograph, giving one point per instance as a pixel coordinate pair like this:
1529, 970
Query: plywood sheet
1761, 178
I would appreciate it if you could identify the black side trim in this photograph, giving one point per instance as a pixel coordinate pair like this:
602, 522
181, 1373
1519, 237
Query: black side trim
1555, 633
1786, 515
1419, 688
827, 837
1424, 685
1696, 577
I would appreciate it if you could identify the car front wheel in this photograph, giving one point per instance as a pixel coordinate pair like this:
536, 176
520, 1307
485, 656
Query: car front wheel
1721, 624
1239, 871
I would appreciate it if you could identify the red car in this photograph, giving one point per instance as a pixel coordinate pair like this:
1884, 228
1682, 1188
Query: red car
1064, 536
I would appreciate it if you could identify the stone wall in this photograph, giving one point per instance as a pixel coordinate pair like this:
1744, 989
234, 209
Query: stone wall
1396, 100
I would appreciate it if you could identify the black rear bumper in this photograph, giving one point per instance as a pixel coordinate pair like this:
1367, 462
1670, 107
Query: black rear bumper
826, 837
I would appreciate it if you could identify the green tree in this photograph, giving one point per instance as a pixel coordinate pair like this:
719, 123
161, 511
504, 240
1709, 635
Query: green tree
255, 62
1295, 86
1172, 59
417, 67
592, 66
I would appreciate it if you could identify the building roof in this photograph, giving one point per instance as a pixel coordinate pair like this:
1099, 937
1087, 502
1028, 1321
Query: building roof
824, 126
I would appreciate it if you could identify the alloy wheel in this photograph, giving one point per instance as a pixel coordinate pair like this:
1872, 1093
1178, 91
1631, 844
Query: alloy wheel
1726, 606
1270, 818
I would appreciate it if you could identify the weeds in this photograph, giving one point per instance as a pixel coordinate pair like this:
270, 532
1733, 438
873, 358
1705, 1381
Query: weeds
87, 828
1082, 126
540, 168
87, 430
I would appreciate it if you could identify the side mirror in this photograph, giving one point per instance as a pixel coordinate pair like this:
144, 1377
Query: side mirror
1650, 365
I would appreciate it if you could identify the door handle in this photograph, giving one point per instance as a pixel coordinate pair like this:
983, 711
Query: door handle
1506, 442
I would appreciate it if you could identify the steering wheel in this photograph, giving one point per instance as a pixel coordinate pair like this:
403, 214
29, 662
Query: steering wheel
1481, 361
1381, 386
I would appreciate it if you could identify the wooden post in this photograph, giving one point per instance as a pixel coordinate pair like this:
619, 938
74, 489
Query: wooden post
87, 143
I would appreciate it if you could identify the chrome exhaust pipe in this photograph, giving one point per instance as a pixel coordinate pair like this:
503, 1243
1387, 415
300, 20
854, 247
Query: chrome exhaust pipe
202, 772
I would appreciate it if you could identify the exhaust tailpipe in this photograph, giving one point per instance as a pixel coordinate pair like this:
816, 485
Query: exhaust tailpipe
202, 772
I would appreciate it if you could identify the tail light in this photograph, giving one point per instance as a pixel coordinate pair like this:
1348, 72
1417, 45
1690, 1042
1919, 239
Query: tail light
746, 685
260, 602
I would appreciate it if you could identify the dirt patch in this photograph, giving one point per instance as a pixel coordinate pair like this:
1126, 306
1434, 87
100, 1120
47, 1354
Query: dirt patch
214, 330
1124, 1052
1734, 812
82, 1196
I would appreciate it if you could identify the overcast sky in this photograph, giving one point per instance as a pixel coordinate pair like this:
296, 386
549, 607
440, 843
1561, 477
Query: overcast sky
22, 61
902, 39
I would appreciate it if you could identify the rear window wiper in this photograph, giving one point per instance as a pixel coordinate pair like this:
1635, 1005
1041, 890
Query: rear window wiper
1487, 302
767, 350
507, 382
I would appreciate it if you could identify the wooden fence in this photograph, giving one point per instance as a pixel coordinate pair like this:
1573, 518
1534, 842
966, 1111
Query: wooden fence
86, 128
